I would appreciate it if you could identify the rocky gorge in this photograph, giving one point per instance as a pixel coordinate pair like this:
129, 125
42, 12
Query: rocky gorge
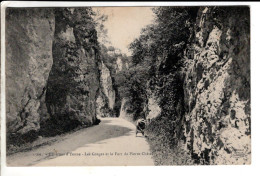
212, 126
217, 88
29, 61
54, 72
188, 75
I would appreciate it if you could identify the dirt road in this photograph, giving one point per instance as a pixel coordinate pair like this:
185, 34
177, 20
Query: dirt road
111, 143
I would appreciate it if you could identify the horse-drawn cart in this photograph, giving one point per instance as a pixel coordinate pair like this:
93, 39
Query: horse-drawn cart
140, 126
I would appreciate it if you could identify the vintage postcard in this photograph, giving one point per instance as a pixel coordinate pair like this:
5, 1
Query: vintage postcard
127, 86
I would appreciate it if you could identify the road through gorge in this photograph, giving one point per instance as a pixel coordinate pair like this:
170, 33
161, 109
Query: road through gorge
111, 143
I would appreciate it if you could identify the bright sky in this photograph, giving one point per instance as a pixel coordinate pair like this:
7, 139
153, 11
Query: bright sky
124, 24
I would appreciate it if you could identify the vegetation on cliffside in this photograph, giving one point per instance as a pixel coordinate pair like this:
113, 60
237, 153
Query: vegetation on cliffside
160, 50
192, 63
184, 59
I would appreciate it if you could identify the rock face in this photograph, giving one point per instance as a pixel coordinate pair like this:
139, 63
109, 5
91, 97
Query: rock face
74, 78
29, 38
106, 99
153, 108
217, 88
52, 73
107, 85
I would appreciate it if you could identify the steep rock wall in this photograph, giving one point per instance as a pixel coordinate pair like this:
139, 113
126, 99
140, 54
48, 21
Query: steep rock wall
106, 98
217, 88
106, 82
101, 106
74, 78
29, 38
111, 67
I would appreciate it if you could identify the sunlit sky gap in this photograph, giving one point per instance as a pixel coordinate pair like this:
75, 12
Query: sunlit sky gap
124, 24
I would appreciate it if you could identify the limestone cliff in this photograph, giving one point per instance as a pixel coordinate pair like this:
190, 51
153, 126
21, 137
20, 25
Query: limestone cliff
106, 98
74, 78
29, 38
107, 85
52, 75
217, 87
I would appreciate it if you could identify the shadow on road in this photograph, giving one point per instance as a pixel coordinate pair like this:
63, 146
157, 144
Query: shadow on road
105, 130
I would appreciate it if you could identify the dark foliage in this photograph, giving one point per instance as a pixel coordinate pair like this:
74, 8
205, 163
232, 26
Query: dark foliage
159, 51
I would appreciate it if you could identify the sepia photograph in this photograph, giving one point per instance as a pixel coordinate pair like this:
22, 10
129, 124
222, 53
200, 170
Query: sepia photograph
127, 86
